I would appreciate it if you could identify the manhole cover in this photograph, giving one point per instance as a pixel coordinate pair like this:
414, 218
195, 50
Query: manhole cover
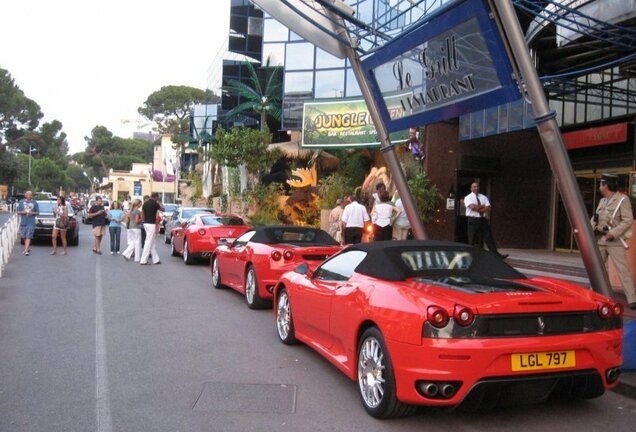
257, 398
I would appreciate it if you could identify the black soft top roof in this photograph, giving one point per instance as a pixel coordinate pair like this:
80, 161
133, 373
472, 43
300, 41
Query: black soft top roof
292, 234
383, 260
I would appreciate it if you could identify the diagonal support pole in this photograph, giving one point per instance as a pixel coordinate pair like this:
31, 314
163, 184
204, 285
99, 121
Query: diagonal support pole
554, 149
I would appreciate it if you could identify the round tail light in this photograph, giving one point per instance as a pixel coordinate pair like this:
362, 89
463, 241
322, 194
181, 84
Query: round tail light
288, 255
617, 309
201, 232
276, 255
437, 316
463, 316
605, 311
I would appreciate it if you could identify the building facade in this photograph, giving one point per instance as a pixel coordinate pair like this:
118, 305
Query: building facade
588, 72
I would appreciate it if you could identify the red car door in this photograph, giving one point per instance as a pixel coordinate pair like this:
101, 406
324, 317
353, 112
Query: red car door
312, 309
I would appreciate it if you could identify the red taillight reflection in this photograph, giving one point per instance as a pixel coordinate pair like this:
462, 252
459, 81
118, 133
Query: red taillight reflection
288, 255
463, 315
604, 310
276, 255
437, 316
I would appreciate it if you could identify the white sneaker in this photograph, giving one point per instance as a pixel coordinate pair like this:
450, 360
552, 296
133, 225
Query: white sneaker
112, 253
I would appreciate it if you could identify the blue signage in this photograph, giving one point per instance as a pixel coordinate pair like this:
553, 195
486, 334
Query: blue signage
137, 189
452, 63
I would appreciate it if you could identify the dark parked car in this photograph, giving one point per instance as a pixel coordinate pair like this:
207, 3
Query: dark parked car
45, 221
179, 217
166, 215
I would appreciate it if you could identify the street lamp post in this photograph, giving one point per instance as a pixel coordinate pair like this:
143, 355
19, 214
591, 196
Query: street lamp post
31, 150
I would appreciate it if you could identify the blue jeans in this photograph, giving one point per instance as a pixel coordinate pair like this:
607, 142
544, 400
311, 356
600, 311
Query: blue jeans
115, 235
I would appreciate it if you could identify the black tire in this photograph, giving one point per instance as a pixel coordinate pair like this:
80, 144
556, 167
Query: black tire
173, 252
253, 299
74, 241
187, 256
166, 238
21, 241
284, 319
216, 277
378, 396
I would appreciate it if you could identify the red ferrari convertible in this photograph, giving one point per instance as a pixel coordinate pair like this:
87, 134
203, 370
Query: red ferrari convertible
253, 262
446, 324
201, 234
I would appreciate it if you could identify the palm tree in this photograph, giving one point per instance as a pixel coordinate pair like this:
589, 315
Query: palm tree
263, 100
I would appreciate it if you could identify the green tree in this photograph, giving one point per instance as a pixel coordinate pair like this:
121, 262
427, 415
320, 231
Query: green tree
77, 179
244, 146
425, 195
170, 108
260, 99
47, 176
17, 111
8, 165
105, 151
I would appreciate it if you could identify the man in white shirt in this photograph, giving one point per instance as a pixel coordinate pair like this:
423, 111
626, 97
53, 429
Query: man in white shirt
477, 207
353, 219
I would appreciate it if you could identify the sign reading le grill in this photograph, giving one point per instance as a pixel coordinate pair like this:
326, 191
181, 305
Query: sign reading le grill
451, 64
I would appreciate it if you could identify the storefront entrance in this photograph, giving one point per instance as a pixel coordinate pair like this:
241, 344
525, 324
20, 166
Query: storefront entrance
588, 182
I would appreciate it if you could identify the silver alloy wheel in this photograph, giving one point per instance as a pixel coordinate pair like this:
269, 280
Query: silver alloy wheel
216, 278
283, 316
250, 286
371, 369
185, 250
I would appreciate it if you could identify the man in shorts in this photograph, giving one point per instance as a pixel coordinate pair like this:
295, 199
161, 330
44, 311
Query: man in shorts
28, 209
97, 213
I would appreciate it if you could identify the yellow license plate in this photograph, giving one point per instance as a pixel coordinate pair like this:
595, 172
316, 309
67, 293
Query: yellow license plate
543, 360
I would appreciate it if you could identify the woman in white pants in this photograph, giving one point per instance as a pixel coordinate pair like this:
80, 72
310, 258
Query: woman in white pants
134, 232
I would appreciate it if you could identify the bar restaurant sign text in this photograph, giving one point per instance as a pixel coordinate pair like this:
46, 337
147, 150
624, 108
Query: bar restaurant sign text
343, 123
452, 63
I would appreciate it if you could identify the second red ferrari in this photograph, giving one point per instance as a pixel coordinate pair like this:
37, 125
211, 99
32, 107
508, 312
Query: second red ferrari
253, 262
201, 234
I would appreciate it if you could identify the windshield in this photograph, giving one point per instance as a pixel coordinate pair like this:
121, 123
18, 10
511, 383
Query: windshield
188, 213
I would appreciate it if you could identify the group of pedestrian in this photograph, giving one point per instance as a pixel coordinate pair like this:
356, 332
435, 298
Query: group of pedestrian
141, 219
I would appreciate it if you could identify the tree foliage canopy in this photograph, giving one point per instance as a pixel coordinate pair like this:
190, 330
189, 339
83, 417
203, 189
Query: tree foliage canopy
170, 108
105, 151
244, 146
16, 110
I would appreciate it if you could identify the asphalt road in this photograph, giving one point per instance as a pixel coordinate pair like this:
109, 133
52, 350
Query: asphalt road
95, 343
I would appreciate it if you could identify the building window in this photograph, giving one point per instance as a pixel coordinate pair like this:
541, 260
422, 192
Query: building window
329, 84
299, 84
353, 89
275, 31
324, 60
299, 56
275, 52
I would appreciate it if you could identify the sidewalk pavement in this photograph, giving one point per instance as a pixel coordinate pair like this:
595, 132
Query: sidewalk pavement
569, 266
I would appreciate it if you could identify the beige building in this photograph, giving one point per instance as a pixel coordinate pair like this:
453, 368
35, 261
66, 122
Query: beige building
143, 179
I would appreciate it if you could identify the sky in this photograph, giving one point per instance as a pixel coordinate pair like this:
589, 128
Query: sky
94, 62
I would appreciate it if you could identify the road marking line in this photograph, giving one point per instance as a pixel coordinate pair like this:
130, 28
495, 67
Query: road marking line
104, 423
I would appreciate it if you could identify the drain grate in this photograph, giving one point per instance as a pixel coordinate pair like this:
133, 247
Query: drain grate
256, 398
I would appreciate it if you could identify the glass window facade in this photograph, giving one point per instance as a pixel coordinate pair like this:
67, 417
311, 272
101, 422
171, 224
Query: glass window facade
299, 56
329, 84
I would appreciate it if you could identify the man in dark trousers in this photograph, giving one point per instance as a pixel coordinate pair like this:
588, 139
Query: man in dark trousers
477, 208
151, 227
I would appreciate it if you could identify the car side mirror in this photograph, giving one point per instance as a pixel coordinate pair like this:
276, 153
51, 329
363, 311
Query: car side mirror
303, 269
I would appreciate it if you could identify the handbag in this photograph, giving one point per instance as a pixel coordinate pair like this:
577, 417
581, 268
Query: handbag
61, 222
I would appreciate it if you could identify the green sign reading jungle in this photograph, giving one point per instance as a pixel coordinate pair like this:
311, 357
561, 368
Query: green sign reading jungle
343, 124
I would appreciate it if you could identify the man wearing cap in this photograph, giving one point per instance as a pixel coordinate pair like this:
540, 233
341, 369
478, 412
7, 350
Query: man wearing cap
612, 224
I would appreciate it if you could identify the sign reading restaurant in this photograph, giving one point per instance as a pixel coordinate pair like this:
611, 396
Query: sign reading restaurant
452, 63
343, 123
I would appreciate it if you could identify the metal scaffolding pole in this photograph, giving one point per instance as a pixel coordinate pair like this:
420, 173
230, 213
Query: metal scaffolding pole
554, 149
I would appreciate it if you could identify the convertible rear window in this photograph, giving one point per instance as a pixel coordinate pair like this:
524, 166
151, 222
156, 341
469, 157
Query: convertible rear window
424, 260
